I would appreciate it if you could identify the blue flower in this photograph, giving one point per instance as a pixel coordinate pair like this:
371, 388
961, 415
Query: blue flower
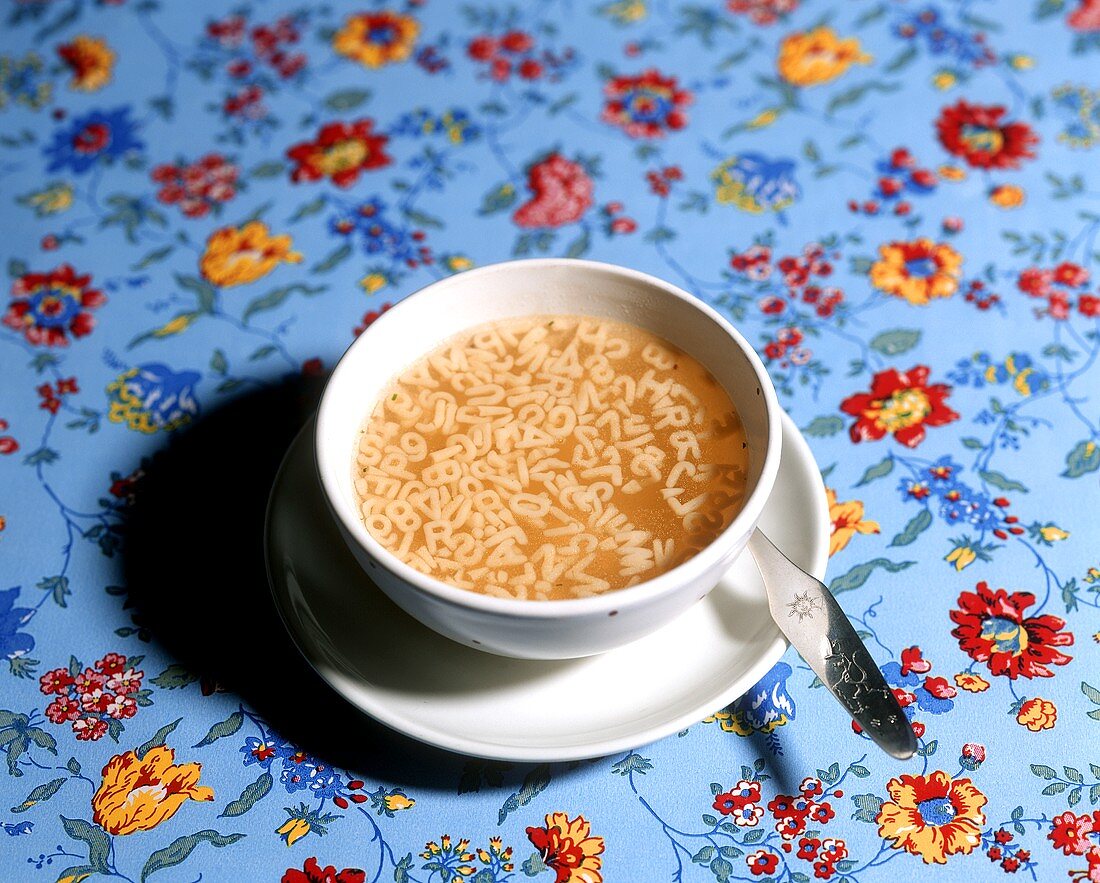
261, 751
153, 397
932, 704
13, 643
97, 135
765, 707
302, 771
892, 673
755, 183
928, 25
14, 830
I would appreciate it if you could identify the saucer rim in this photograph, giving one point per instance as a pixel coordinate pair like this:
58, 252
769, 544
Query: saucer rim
375, 706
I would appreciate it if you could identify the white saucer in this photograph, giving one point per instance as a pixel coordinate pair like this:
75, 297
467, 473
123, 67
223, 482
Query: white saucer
440, 692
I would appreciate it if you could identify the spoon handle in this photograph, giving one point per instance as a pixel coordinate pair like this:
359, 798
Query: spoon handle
808, 614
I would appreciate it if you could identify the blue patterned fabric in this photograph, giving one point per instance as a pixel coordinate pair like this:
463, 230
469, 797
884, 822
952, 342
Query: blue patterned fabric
897, 202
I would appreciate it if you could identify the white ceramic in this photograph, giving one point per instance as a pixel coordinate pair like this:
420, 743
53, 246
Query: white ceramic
532, 629
437, 691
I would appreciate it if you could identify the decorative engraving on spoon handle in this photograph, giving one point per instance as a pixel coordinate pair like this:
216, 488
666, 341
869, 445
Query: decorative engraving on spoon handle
808, 614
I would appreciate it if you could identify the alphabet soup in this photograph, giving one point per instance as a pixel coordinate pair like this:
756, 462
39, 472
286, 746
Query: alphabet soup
551, 457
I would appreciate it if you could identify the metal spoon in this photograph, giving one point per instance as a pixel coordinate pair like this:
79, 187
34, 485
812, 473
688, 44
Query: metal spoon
808, 614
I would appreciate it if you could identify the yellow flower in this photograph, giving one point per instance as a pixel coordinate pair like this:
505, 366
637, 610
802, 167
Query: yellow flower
373, 282
1052, 533
74, 878
951, 173
377, 38
90, 59
1021, 62
625, 11
764, 119
175, 325
239, 255
53, 200
944, 80
932, 816
569, 848
1092, 575
961, 556
971, 683
137, 795
847, 521
456, 263
818, 56
293, 830
1037, 714
397, 801
919, 271
1007, 196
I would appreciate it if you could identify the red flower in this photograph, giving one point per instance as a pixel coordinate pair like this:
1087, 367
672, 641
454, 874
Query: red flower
913, 661
1070, 833
1002, 836
977, 133
992, 628
1089, 305
482, 48
973, 751
568, 847
737, 798
313, 873
1010, 865
646, 105
807, 848
199, 187
89, 729
369, 319
57, 681
939, 688
47, 307
1085, 18
111, 663
1071, 274
762, 862
340, 152
901, 404
516, 41
63, 709
562, 193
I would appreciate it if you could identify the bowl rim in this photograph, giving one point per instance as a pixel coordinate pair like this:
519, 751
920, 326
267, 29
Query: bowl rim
347, 517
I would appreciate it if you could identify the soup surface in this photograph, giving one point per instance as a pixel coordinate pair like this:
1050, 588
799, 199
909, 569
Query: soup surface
551, 457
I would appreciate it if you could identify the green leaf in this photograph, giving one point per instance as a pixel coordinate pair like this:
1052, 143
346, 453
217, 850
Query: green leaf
262, 353
249, 796
973, 443
203, 291
709, 820
218, 363
754, 836
859, 574
73, 766
533, 865
347, 99
154, 257
178, 850
1093, 696
222, 729
823, 427
999, 481
99, 844
902, 60
704, 856
42, 793
17, 267
1073, 774
1083, 459
333, 259
859, 771
632, 763
157, 739
58, 585
276, 296
401, 869
534, 783
879, 470
578, 246
1043, 771
270, 169
721, 869
307, 209
928, 749
1074, 797
896, 342
498, 199
174, 677
422, 219
856, 93
917, 525
1054, 788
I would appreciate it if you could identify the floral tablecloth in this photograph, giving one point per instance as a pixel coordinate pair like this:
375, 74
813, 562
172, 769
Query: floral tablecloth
896, 201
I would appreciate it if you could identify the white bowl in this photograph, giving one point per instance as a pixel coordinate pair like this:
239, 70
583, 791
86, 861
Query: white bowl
543, 629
